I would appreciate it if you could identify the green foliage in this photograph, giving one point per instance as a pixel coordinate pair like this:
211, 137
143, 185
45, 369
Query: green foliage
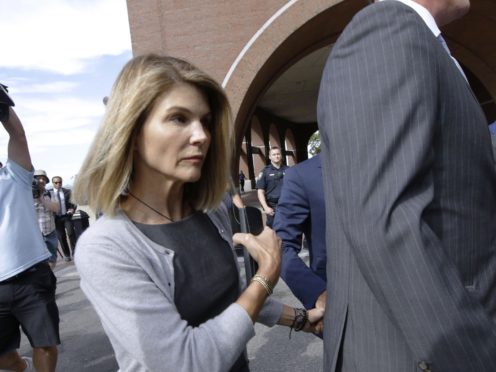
314, 144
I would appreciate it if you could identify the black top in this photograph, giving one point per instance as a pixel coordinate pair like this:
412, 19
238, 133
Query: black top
205, 273
270, 180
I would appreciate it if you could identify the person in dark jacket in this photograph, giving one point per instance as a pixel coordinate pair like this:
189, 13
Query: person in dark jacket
301, 214
63, 219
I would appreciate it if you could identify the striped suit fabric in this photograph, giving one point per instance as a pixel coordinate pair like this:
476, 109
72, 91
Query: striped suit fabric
410, 203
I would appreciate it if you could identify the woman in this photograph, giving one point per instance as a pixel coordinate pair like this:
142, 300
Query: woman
158, 266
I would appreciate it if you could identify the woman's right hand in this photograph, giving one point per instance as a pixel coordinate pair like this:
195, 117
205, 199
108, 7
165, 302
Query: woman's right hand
265, 249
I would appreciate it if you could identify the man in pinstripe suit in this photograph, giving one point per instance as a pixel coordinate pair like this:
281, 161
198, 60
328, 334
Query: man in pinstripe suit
410, 198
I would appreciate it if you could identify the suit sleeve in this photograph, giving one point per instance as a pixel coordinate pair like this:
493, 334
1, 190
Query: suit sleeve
377, 114
292, 214
69, 203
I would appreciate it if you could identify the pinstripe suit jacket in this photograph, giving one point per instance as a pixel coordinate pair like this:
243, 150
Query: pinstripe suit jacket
410, 203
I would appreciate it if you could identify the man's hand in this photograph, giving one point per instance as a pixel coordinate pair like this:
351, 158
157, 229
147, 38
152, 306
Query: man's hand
315, 322
321, 301
261, 198
320, 304
269, 211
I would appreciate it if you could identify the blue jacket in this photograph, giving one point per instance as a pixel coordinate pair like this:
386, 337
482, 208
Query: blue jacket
301, 210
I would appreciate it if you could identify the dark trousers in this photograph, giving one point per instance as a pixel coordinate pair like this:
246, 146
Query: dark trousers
270, 219
65, 228
28, 300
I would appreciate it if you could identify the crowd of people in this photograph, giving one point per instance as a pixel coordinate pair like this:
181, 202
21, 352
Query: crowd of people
54, 210
397, 212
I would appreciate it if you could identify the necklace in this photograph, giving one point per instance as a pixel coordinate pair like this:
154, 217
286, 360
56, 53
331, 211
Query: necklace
153, 209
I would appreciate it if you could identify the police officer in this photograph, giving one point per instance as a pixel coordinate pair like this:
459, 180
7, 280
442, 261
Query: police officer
270, 183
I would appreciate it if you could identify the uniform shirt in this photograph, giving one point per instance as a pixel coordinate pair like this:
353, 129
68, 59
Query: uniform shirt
21, 243
270, 181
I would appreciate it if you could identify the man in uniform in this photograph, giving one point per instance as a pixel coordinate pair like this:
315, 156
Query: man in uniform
269, 184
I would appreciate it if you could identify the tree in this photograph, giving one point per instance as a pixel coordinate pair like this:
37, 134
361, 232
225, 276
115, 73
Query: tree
314, 144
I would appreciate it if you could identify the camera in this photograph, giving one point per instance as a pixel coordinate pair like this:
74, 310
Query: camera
36, 188
5, 102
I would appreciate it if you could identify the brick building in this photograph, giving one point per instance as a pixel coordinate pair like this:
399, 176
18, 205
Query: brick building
269, 56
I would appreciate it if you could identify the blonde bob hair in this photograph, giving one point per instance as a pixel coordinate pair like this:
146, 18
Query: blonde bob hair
107, 171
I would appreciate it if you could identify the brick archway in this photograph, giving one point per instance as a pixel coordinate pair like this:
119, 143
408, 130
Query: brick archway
294, 31
290, 146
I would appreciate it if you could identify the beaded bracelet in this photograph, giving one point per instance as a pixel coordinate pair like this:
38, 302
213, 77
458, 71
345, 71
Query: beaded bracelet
264, 282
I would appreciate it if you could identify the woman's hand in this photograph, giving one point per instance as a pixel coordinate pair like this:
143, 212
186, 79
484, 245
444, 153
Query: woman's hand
265, 250
315, 322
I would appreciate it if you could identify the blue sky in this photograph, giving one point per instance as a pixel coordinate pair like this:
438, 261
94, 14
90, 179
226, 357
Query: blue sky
59, 59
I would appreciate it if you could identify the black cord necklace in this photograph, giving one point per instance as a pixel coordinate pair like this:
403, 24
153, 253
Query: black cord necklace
153, 209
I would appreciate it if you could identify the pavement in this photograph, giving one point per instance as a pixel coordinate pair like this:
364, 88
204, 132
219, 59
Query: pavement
85, 347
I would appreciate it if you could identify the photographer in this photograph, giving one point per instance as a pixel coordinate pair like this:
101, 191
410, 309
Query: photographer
45, 208
27, 285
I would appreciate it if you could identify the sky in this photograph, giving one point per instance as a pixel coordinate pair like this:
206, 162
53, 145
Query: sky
59, 58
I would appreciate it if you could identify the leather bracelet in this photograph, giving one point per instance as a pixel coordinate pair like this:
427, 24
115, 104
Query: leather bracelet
301, 318
299, 321
264, 282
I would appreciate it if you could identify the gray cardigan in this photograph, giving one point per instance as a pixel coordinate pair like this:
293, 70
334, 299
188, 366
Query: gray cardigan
129, 280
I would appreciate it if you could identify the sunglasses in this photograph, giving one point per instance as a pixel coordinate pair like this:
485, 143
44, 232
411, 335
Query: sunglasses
56, 182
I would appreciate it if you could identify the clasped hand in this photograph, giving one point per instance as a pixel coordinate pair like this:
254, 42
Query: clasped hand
315, 322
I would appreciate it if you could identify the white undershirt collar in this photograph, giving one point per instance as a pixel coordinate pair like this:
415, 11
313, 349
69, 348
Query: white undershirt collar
424, 14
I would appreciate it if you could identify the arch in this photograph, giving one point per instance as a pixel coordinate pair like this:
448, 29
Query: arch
297, 29
258, 147
274, 139
290, 146
243, 158
477, 66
